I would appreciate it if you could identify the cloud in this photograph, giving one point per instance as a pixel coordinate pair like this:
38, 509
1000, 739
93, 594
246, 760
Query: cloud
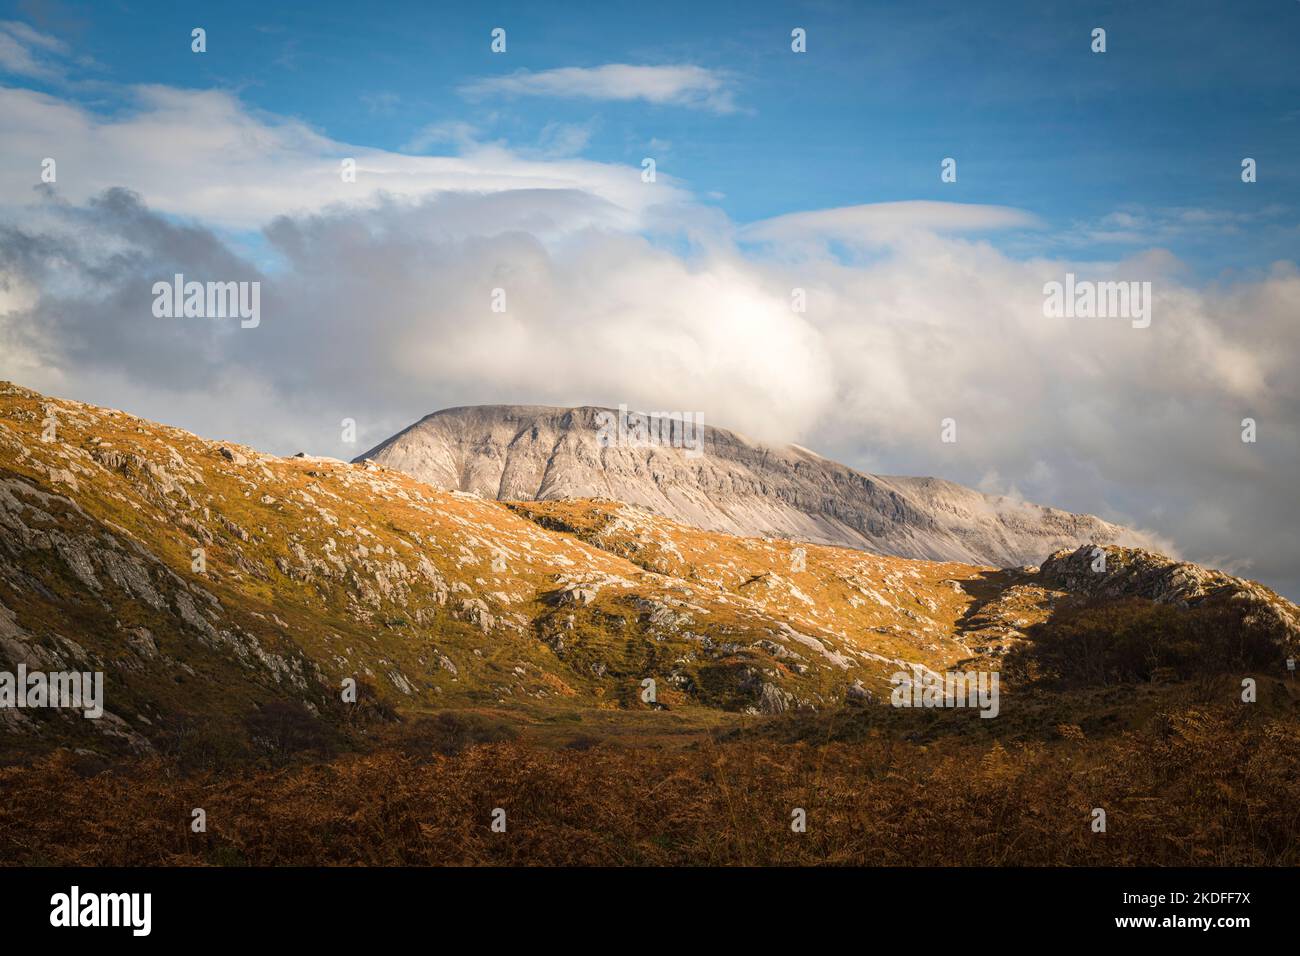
28, 52
204, 155
887, 221
563, 139
458, 133
686, 85
1136, 225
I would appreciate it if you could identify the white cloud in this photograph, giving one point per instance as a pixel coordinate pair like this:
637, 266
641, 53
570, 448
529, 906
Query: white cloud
680, 85
457, 133
887, 221
28, 52
556, 140
203, 154
1154, 226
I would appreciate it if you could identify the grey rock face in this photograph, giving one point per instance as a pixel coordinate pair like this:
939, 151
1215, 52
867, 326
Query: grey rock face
535, 453
1133, 573
774, 700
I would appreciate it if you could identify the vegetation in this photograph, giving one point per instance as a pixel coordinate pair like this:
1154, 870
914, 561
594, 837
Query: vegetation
1200, 786
1134, 640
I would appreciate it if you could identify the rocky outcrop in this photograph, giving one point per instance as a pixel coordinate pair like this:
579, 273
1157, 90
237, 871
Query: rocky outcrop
1114, 573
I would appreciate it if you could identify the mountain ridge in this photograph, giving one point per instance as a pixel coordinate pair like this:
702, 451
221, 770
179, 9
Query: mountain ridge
736, 486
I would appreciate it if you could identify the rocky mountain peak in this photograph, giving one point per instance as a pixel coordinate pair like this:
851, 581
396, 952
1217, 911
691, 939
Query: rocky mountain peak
720, 481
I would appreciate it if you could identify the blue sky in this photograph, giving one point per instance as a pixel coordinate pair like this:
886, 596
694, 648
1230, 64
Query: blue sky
777, 171
1155, 127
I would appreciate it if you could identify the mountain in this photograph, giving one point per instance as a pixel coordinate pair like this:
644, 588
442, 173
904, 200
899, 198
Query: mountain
533, 453
210, 582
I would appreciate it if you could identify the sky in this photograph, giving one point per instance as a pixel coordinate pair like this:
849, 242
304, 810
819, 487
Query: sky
775, 170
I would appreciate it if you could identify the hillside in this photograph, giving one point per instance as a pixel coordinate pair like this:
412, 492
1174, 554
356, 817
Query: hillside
314, 571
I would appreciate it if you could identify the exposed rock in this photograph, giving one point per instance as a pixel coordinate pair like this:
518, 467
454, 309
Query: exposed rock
477, 611
857, 693
531, 453
773, 700
142, 642
576, 595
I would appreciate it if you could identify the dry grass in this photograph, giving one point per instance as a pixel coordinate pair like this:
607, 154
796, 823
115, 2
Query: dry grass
1195, 788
